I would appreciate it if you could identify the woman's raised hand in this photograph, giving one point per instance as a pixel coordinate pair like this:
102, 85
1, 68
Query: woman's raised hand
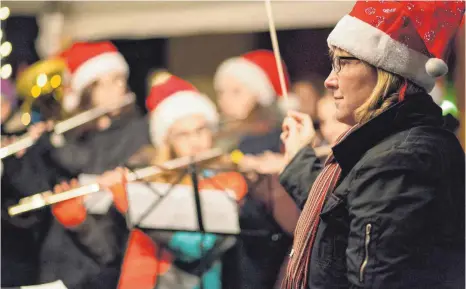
297, 132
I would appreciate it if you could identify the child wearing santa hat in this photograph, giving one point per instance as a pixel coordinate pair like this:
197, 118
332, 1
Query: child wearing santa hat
250, 98
96, 76
182, 123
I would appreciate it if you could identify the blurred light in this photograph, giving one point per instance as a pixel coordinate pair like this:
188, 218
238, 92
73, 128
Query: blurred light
26, 118
449, 107
4, 13
42, 80
1, 34
35, 91
5, 49
6, 71
55, 81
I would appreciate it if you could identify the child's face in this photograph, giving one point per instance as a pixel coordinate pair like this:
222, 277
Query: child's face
235, 100
110, 90
190, 135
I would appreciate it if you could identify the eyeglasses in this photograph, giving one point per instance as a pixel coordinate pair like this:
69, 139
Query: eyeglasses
340, 61
186, 135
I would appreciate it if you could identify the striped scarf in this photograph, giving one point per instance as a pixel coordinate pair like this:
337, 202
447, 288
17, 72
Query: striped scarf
298, 267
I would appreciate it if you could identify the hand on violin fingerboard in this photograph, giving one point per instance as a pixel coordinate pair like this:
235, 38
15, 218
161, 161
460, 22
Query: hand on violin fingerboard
69, 213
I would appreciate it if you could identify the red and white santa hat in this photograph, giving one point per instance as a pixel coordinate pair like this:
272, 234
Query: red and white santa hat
408, 38
86, 63
258, 71
172, 98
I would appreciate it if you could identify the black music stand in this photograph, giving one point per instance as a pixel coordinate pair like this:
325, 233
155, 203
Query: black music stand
192, 171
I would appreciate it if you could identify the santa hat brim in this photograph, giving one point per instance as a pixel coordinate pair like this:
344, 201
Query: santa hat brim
377, 48
250, 75
96, 67
179, 105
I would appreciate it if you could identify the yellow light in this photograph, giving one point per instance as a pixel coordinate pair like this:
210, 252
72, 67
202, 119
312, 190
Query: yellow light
4, 13
5, 49
26, 118
55, 81
1, 34
42, 80
6, 71
236, 156
35, 91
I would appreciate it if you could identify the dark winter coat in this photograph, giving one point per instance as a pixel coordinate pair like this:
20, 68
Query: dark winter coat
396, 218
95, 152
22, 235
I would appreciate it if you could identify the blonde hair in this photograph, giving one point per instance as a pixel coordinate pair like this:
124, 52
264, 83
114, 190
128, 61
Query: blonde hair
385, 93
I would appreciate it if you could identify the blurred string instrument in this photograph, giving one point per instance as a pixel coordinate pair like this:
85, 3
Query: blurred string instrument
64, 126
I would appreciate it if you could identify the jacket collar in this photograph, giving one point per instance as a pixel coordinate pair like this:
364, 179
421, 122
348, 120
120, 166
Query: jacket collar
417, 110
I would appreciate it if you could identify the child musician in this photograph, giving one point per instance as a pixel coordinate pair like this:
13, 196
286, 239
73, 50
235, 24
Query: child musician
251, 101
97, 76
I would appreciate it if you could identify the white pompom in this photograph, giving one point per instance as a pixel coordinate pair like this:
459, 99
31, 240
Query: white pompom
436, 67
70, 102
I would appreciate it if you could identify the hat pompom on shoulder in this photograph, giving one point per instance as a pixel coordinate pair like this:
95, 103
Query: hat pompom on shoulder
436, 67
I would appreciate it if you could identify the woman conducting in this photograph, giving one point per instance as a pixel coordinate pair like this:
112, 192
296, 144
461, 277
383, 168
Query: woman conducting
387, 209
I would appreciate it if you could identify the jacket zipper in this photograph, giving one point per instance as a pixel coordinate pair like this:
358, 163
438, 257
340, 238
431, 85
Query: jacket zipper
367, 241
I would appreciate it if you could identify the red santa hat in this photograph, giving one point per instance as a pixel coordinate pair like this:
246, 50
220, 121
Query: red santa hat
408, 38
172, 98
258, 71
86, 63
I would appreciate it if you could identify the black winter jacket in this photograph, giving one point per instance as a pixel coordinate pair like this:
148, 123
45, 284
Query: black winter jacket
22, 235
396, 218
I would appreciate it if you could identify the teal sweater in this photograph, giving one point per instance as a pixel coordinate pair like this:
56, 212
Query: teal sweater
187, 247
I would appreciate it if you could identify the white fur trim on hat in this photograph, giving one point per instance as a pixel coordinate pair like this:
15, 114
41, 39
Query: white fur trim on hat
250, 75
176, 106
97, 66
374, 46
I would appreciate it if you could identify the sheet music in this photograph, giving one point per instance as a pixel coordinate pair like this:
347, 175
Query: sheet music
53, 285
175, 211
